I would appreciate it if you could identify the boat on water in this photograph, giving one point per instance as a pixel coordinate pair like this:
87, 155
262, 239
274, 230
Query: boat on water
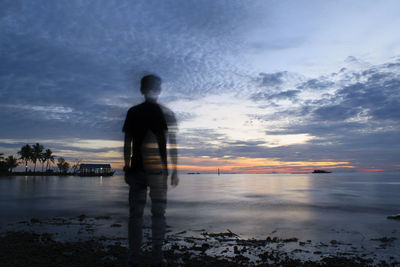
86, 169
321, 171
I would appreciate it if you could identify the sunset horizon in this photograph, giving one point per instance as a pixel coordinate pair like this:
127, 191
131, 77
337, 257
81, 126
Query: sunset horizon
226, 164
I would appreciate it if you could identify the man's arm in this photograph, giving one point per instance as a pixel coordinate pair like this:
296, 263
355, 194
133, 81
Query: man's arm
174, 158
127, 151
172, 147
173, 151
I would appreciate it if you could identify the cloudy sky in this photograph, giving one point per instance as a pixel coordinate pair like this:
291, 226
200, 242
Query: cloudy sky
257, 86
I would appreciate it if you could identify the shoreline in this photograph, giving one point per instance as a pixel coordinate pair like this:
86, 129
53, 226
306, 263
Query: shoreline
30, 249
31, 243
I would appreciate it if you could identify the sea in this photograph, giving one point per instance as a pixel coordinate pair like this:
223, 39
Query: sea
348, 207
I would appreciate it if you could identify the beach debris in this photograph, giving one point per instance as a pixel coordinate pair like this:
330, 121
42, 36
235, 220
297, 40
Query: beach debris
203, 249
82, 217
104, 217
321, 244
272, 240
35, 220
384, 239
292, 239
31, 249
41, 250
205, 246
394, 217
298, 250
277, 240
228, 233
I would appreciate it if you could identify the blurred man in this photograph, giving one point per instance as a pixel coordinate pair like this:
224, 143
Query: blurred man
147, 128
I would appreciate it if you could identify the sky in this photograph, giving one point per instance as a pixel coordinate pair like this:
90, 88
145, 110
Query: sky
256, 86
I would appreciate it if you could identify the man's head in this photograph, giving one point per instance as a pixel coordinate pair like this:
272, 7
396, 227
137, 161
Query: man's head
150, 87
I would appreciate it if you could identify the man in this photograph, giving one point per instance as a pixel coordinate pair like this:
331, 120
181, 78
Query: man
147, 128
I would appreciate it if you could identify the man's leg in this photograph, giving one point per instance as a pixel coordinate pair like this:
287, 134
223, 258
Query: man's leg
137, 201
158, 195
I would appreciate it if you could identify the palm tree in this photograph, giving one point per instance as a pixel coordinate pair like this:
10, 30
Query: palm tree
12, 162
42, 160
36, 154
76, 165
48, 156
62, 165
26, 155
3, 164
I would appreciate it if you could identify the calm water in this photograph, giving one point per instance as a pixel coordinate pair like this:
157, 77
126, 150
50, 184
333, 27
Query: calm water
348, 206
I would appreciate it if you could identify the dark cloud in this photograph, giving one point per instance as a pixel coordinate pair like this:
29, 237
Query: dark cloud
271, 79
316, 84
377, 97
290, 94
336, 112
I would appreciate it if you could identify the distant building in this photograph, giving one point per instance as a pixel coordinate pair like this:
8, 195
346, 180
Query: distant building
95, 170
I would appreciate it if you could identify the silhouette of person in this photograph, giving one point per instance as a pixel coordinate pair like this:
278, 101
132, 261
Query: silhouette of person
147, 128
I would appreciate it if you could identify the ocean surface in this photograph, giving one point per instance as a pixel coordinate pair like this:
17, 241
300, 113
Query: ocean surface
352, 207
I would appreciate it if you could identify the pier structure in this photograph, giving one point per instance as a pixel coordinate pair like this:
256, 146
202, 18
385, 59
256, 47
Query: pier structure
87, 169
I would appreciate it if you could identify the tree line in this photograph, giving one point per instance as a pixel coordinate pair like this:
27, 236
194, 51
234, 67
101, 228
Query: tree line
37, 154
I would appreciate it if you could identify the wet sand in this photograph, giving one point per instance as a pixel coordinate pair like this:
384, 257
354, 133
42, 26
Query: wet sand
77, 241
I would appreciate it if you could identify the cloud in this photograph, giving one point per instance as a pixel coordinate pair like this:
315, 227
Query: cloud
71, 69
377, 97
351, 118
316, 84
88, 58
290, 94
330, 118
272, 79
337, 112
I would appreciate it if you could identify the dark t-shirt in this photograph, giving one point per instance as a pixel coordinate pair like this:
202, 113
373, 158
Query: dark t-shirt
141, 120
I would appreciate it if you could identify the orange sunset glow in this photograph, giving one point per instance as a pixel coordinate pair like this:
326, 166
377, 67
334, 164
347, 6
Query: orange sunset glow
255, 165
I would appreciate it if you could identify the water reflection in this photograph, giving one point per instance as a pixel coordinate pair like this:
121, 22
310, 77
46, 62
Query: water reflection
307, 206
